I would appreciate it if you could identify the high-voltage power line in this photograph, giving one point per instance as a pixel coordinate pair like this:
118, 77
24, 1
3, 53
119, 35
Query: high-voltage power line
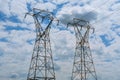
42, 66
83, 66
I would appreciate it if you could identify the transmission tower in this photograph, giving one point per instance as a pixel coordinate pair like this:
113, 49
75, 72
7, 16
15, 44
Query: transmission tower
83, 66
41, 66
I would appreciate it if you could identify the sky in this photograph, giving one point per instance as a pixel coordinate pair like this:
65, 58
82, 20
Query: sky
17, 36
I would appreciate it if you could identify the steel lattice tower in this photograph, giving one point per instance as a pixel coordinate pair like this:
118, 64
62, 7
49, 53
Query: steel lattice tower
41, 66
83, 66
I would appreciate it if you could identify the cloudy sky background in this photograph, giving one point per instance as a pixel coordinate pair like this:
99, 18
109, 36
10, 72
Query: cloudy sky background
17, 36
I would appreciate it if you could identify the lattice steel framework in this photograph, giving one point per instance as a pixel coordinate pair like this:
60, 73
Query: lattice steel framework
83, 66
41, 66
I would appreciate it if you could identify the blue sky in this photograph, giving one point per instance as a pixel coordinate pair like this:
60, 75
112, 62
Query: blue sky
17, 36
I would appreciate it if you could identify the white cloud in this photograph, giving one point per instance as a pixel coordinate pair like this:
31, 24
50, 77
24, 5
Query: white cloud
45, 6
67, 13
16, 54
4, 6
18, 8
59, 1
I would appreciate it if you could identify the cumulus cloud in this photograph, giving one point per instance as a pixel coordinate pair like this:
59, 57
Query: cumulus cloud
45, 6
67, 13
16, 45
4, 6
